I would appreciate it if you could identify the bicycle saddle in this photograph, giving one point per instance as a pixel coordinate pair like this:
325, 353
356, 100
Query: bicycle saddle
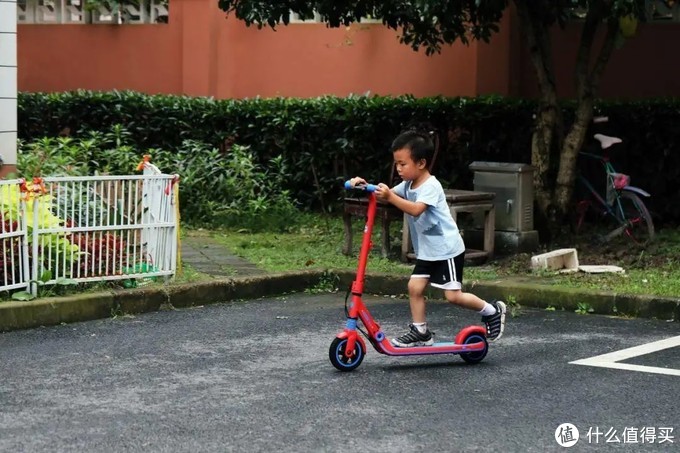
607, 141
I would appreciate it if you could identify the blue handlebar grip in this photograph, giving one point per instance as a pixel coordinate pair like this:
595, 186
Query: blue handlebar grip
366, 187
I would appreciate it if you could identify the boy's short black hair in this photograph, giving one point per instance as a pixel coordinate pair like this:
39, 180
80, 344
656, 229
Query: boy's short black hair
419, 143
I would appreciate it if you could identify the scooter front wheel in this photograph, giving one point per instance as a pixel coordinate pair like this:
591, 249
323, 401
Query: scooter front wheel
475, 356
337, 355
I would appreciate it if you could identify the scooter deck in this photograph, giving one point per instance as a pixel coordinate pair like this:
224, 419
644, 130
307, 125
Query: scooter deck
440, 347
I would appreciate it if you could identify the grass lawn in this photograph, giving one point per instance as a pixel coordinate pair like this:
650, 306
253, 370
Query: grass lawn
317, 244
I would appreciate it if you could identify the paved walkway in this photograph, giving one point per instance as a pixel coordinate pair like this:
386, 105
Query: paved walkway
204, 254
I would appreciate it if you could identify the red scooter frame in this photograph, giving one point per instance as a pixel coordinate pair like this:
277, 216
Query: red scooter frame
348, 349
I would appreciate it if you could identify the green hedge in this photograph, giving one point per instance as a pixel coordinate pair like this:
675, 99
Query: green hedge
328, 139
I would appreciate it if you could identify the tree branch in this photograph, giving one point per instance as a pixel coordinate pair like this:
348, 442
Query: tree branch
590, 26
605, 52
538, 40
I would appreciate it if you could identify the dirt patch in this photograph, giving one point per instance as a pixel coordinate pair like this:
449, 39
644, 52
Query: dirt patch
622, 252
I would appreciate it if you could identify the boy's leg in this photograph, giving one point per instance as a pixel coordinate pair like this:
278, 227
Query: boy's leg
465, 300
493, 314
418, 334
448, 275
416, 298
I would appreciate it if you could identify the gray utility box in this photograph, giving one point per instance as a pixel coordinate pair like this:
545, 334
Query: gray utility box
514, 188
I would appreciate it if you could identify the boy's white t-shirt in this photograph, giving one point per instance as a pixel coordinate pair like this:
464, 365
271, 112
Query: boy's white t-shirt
434, 234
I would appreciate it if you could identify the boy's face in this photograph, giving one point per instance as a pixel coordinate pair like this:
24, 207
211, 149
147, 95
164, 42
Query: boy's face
406, 167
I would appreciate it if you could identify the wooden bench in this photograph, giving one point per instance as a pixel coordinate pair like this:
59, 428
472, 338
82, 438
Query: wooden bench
463, 201
384, 215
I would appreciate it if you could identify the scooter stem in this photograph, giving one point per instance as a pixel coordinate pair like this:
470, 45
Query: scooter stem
366, 245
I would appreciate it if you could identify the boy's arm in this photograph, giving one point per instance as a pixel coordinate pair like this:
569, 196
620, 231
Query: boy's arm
390, 196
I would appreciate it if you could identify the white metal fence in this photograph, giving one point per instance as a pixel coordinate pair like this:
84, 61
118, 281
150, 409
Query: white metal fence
15, 272
87, 229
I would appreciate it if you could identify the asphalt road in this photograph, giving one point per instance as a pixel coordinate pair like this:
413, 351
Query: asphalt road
255, 376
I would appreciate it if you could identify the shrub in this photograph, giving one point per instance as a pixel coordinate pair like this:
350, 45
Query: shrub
217, 188
324, 140
328, 139
230, 188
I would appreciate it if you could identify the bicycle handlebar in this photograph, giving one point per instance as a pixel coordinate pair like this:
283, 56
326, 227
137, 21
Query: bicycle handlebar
366, 187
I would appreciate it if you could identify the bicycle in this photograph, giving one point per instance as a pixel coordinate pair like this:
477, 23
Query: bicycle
621, 202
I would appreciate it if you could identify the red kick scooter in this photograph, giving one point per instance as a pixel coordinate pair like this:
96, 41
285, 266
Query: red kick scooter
348, 348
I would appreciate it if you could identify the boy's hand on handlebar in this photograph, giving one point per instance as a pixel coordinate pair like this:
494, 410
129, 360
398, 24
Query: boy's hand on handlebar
356, 181
383, 192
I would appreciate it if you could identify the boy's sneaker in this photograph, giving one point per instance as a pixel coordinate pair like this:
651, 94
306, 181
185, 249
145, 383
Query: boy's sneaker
495, 324
414, 338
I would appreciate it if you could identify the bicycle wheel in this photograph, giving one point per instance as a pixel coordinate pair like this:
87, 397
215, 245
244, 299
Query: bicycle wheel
636, 222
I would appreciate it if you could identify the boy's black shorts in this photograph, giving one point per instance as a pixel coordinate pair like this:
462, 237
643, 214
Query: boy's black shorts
446, 274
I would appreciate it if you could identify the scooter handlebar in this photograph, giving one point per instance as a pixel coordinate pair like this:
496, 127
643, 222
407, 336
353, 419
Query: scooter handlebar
366, 187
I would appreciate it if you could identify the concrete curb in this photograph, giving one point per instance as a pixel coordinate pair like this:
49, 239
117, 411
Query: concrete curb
541, 296
85, 307
55, 310
601, 302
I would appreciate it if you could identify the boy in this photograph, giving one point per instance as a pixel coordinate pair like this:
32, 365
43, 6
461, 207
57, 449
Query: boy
439, 247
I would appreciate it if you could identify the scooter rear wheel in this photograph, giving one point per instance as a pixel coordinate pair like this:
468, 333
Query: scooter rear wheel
337, 355
475, 356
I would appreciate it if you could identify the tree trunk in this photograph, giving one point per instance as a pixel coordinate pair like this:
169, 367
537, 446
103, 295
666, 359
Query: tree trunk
548, 124
553, 200
541, 143
586, 86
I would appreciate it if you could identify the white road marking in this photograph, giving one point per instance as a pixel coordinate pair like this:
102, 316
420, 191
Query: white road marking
612, 359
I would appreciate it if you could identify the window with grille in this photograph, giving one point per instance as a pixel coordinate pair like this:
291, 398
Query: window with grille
78, 12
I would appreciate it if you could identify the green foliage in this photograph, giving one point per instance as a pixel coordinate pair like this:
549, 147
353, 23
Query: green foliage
188, 274
514, 308
44, 289
432, 24
231, 188
428, 24
227, 188
23, 296
327, 139
584, 308
106, 152
57, 156
323, 140
316, 243
328, 283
